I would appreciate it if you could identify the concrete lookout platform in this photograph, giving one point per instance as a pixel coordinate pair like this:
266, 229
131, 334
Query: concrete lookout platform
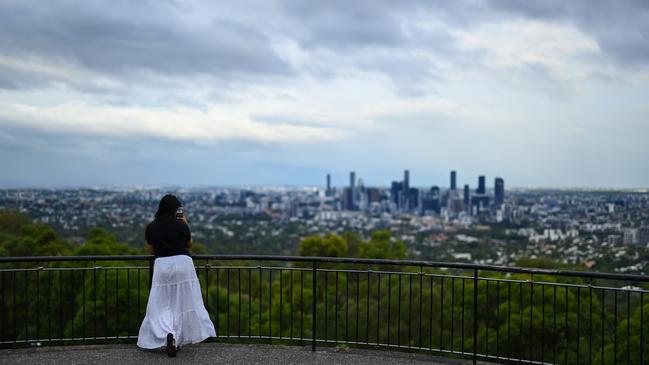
215, 353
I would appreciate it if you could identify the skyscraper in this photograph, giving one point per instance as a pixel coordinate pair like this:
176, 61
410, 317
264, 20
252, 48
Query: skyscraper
481, 185
395, 193
466, 195
351, 194
413, 198
406, 190
328, 192
480, 200
348, 199
406, 180
453, 180
499, 191
431, 201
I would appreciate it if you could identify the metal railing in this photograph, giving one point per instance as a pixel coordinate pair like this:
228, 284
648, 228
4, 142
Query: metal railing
493, 313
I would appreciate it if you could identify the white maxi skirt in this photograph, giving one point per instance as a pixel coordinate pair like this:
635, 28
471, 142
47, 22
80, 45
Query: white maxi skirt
175, 305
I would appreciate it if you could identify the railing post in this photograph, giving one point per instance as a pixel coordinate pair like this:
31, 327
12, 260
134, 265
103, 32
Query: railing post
313, 309
151, 272
475, 316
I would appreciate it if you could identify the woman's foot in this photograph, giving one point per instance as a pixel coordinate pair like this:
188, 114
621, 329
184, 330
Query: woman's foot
171, 345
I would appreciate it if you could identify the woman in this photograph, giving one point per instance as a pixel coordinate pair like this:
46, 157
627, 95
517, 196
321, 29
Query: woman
175, 313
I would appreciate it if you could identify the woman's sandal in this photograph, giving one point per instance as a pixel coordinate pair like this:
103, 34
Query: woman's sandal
171, 345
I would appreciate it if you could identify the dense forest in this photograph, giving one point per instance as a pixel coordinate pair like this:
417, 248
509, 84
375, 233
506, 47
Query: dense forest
544, 317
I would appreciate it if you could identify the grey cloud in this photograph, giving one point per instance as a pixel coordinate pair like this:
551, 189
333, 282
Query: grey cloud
137, 38
380, 36
161, 37
342, 24
620, 27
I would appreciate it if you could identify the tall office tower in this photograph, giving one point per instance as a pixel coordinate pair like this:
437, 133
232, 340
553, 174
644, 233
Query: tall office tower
395, 193
499, 191
328, 192
406, 180
373, 195
434, 192
480, 201
351, 201
413, 198
405, 197
431, 200
453, 180
481, 185
348, 199
466, 195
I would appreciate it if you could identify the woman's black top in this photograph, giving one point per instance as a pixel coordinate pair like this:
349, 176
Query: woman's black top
169, 237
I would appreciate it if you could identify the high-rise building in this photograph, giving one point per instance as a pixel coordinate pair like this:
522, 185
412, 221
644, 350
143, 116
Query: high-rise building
413, 198
480, 200
405, 194
406, 180
348, 199
373, 195
499, 191
328, 192
395, 193
466, 195
453, 180
431, 201
481, 185
351, 195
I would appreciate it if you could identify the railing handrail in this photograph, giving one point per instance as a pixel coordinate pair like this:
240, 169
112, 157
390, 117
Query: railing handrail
345, 260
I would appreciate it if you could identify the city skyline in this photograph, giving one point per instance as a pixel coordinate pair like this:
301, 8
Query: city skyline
198, 93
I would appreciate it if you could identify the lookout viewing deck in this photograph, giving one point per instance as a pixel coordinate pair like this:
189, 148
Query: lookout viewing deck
216, 353
344, 310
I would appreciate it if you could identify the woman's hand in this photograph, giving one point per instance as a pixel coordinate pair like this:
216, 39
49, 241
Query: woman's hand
182, 218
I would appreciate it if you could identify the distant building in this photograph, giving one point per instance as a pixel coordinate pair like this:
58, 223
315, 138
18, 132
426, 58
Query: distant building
405, 198
328, 191
348, 199
456, 204
350, 194
413, 198
406, 180
480, 200
453, 180
481, 185
466, 195
499, 191
614, 239
395, 193
431, 201
630, 236
373, 195
643, 235
352, 186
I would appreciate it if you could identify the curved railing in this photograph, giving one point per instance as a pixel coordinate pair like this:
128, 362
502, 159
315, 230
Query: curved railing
493, 313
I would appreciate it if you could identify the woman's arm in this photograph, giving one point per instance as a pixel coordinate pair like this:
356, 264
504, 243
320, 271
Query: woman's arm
188, 234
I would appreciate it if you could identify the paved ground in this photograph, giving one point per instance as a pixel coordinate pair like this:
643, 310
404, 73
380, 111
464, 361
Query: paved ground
214, 353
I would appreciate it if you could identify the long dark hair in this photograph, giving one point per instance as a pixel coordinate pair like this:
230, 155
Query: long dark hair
168, 206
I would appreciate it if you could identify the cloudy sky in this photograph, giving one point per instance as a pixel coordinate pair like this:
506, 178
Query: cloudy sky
543, 93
